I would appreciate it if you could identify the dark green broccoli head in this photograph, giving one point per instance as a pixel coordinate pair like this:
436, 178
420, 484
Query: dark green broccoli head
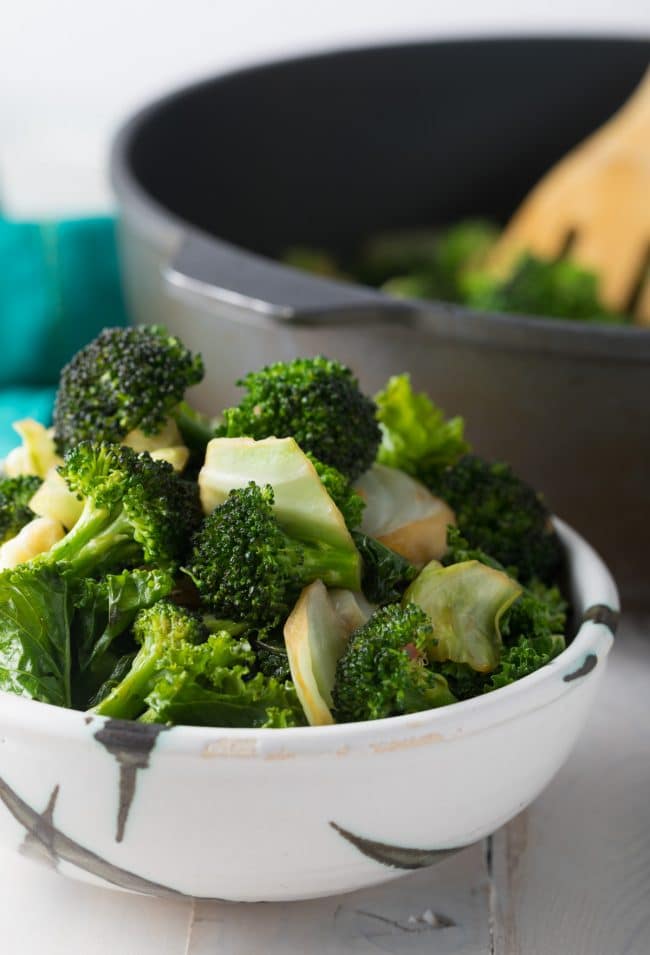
314, 400
383, 669
247, 568
502, 516
273, 664
556, 289
459, 551
135, 509
15, 495
243, 564
126, 378
271, 657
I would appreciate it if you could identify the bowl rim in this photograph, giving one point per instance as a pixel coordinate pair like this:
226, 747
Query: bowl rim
596, 600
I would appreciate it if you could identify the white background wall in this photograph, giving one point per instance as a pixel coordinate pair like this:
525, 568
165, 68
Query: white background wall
70, 69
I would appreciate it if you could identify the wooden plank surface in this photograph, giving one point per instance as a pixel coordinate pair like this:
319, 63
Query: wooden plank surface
572, 873
444, 910
571, 876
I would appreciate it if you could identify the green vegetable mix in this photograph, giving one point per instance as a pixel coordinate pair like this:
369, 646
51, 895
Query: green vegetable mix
200, 597
451, 265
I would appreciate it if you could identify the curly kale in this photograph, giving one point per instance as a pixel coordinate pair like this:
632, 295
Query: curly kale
415, 436
15, 495
383, 669
317, 401
126, 378
213, 684
501, 515
540, 612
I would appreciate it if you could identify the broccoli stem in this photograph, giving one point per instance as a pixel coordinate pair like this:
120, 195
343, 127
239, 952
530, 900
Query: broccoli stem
334, 567
126, 700
98, 538
195, 428
112, 547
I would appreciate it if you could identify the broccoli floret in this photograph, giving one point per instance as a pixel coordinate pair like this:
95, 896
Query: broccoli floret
426, 263
15, 495
459, 551
135, 510
383, 669
386, 574
460, 248
126, 378
415, 436
272, 663
159, 631
271, 657
247, 568
502, 516
314, 400
183, 674
555, 289
340, 489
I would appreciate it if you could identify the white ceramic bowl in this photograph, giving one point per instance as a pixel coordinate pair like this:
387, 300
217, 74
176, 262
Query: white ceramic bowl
296, 813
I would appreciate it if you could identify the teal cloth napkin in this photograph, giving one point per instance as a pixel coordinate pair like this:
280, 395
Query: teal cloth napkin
59, 286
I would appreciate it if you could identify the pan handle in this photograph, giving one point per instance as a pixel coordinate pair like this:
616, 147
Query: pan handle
213, 270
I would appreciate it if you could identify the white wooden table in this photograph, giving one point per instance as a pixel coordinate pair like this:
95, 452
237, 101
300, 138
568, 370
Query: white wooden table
570, 876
